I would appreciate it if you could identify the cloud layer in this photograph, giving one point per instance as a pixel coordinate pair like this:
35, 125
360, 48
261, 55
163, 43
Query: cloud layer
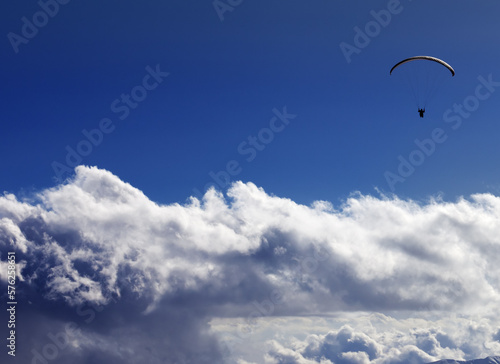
141, 281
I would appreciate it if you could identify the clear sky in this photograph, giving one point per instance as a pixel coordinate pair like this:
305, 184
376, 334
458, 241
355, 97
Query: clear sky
225, 78
294, 97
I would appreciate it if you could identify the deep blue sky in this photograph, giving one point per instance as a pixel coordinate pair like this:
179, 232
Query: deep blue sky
353, 120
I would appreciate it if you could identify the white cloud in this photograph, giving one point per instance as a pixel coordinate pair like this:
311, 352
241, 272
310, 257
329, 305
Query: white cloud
97, 238
380, 339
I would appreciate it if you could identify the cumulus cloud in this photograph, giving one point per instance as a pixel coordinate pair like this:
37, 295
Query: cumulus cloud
342, 346
380, 343
141, 281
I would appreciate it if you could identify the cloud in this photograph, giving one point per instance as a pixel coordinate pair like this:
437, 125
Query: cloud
343, 346
380, 344
155, 275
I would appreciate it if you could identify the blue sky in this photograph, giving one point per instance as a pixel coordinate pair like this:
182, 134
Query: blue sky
152, 102
353, 120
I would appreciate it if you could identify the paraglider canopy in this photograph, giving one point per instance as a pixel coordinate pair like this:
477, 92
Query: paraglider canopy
440, 61
423, 75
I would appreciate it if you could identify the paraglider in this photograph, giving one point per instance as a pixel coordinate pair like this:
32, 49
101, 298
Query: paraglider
423, 74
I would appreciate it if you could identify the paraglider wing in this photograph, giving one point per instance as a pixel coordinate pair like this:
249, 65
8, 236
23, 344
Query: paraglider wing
426, 58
